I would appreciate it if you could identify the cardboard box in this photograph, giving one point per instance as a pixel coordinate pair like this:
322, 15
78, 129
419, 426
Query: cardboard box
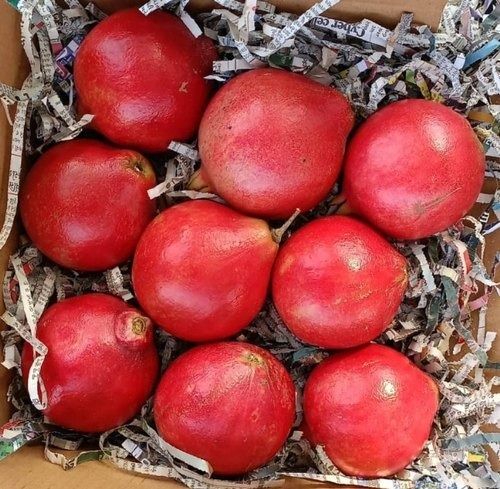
385, 12
27, 468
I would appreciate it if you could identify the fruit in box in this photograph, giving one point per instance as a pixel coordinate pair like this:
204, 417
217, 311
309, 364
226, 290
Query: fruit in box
201, 270
231, 404
85, 204
272, 141
413, 169
142, 77
101, 365
371, 409
337, 283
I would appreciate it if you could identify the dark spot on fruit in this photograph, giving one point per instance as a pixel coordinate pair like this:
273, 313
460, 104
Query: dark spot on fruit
229, 127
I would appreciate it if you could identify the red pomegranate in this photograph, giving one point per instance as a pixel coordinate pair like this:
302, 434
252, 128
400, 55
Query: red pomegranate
85, 203
413, 169
337, 283
143, 79
101, 364
231, 404
371, 409
272, 141
202, 270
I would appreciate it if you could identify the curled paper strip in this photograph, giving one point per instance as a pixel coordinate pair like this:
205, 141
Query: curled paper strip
115, 281
36, 387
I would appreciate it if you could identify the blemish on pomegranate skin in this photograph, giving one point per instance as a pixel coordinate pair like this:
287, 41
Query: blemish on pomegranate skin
403, 278
137, 164
253, 359
183, 87
422, 208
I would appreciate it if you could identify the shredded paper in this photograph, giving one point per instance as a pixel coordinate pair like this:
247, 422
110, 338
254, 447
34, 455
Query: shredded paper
449, 282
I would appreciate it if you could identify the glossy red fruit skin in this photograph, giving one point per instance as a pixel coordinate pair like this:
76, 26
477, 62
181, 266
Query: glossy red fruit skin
84, 203
272, 141
101, 366
231, 403
201, 270
337, 283
413, 169
371, 409
143, 79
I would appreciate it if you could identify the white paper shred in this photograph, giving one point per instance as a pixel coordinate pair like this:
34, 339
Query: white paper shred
115, 280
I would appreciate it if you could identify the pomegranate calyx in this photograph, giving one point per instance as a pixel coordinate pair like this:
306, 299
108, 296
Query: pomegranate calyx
133, 330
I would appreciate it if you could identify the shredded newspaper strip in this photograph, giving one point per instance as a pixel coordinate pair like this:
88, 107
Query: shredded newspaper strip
449, 282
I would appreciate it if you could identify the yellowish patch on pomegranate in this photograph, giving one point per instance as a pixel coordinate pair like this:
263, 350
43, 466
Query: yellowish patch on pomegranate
253, 359
199, 183
139, 165
287, 262
402, 278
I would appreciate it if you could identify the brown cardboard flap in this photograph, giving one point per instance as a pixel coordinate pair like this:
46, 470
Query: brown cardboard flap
13, 70
385, 12
27, 469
